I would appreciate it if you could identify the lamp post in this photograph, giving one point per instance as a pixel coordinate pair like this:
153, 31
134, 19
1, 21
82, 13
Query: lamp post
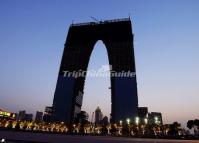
128, 121
74, 128
120, 127
146, 121
137, 120
157, 123
156, 120
120, 122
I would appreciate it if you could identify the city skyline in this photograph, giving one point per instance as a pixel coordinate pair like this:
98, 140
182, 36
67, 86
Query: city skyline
166, 54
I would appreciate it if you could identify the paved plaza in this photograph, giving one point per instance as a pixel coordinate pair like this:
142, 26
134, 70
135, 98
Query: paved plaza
59, 138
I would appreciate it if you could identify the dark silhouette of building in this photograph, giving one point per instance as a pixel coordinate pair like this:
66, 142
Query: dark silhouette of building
118, 38
28, 117
47, 117
155, 118
39, 116
82, 117
98, 115
21, 115
143, 114
105, 121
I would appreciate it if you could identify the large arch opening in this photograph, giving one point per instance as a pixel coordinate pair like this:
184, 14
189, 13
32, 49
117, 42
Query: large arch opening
96, 88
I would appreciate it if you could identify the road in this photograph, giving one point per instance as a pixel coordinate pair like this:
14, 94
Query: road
59, 138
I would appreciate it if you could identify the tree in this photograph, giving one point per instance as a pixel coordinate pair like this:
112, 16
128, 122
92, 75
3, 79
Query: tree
165, 129
174, 128
190, 124
9, 125
196, 126
82, 119
196, 123
17, 127
126, 130
113, 129
104, 130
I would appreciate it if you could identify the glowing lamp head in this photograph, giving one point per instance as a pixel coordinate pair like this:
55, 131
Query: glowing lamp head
128, 121
146, 120
137, 120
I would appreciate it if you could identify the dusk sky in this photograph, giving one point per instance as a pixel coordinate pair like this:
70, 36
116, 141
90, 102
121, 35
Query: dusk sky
166, 44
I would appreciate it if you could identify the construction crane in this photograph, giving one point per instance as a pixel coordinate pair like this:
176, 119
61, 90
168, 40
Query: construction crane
95, 19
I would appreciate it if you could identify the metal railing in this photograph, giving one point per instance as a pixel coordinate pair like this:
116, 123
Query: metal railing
100, 22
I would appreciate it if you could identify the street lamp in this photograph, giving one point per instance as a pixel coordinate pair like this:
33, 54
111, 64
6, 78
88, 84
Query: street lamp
137, 120
74, 128
128, 121
156, 120
146, 121
120, 122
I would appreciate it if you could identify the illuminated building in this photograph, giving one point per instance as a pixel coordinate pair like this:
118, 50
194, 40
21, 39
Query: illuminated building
7, 115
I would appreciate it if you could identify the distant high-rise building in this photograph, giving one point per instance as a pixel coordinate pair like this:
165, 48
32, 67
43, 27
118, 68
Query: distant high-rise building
143, 114
16, 115
155, 118
28, 117
7, 115
48, 114
39, 116
105, 121
98, 115
21, 115
82, 117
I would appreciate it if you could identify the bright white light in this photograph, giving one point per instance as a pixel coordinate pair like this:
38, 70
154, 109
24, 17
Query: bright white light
137, 120
3, 140
128, 120
146, 120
